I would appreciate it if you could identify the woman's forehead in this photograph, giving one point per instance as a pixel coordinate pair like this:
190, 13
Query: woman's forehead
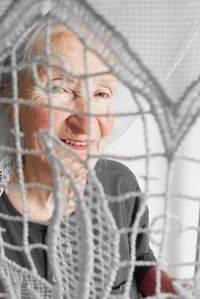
68, 46
68, 52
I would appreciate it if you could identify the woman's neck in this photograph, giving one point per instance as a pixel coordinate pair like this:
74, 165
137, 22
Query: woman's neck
38, 203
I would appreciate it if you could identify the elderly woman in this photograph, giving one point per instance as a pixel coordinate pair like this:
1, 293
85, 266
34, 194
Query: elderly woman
61, 83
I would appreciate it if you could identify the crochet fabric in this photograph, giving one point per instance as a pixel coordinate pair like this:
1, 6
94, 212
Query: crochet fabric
94, 271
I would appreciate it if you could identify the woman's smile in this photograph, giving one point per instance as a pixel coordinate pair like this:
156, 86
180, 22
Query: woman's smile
73, 125
79, 145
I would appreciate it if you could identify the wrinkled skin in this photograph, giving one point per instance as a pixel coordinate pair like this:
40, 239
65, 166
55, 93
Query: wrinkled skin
71, 93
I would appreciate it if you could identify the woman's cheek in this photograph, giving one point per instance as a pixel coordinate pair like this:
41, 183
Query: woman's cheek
37, 118
107, 125
32, 120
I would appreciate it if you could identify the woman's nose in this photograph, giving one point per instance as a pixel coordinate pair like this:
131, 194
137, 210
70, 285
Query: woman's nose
78, 123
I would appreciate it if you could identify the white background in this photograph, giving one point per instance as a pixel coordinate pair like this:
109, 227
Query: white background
166, 36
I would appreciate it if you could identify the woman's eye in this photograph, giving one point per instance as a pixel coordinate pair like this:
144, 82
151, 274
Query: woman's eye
58, 85
60, 89
103, 94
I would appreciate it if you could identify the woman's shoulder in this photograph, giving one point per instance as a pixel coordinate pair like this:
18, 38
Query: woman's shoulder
118, 180
112, 165
117, 175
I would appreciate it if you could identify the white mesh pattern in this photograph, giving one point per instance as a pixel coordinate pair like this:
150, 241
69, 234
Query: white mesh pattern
103, 254
83, 248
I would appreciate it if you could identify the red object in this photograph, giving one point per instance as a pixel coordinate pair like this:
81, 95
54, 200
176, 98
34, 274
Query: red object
148, 284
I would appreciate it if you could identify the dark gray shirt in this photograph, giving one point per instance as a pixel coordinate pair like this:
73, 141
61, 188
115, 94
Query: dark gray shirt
116, 180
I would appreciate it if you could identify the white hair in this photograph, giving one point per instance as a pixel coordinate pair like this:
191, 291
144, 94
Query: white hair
24, 52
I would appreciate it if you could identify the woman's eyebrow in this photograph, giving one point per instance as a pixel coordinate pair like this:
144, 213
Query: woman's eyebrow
59, 74
56, 72
107, 82
73, 82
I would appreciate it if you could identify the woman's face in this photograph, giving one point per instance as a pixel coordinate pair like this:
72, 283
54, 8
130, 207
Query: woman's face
68, 91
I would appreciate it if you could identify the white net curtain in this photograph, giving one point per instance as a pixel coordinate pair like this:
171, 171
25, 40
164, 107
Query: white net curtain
151, 49
165, 35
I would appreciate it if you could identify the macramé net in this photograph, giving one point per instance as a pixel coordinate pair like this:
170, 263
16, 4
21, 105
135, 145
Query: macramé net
91, 233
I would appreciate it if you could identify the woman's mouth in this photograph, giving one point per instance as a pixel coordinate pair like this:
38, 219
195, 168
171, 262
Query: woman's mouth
78, 145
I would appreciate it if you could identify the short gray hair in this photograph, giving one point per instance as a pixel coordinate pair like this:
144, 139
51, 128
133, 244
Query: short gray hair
24, 53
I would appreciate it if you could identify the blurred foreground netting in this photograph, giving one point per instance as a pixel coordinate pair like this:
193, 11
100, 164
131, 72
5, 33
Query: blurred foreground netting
148, 53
